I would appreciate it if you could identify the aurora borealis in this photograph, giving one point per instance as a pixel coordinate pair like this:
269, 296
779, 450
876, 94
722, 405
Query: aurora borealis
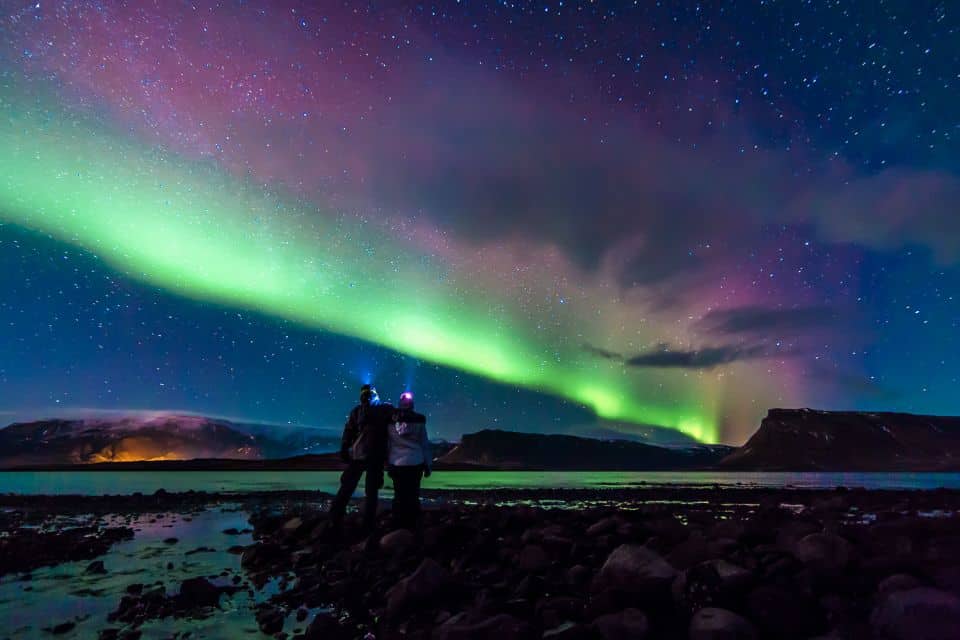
547, 217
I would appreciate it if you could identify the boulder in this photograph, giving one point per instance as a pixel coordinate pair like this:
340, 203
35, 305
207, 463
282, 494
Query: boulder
532, 559
779, 613
824, 552
922, 613
397, 541
501, 627
325, 626
719, 624
603, 526
897, 582
629, 624
633, 567
418, 587
270, 619
198, 592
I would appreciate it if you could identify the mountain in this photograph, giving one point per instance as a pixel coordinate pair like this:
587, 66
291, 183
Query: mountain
493, 448
809, 440
153, 437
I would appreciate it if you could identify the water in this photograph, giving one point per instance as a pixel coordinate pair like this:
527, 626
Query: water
126, 482
65, 593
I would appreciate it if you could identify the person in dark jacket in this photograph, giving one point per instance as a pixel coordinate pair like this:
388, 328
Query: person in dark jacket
363, 448
408, 460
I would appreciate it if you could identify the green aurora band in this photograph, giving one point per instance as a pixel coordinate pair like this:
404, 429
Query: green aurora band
191, 229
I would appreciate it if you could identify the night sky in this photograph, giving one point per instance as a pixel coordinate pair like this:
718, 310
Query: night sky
588, 218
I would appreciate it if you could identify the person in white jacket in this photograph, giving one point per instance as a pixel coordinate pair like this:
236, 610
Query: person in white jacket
408, 460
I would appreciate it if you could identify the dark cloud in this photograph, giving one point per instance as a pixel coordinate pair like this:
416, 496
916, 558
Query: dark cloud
602, 353
764, 320
707, 358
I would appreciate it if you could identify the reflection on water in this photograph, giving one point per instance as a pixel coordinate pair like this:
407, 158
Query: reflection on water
113, 482
65, 593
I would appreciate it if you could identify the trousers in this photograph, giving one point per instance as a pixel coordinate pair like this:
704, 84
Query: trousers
406, 495
349, 480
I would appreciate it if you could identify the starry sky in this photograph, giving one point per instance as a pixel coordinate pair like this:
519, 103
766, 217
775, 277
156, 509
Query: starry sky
650, 219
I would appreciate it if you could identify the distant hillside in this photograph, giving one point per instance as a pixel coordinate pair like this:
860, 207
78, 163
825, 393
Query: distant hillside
513, 450
152, 437
808, 440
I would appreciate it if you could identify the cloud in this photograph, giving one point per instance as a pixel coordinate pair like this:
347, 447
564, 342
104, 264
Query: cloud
891, 210
707, 358
602, 353
765, 320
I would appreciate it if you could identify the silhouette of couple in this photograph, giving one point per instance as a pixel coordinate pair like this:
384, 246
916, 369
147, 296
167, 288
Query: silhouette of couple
377, 434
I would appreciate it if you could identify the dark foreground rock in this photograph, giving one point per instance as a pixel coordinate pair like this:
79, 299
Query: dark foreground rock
845, 564
26, 549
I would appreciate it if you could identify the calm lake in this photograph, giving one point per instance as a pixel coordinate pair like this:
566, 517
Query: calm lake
125, 482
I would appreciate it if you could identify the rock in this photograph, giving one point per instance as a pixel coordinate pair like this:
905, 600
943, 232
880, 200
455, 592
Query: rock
554, 611
200, 550
95, 568
270, 619
170, 541
397, 541
715, 583
326, 627
823, 552
603, 526
292, 525
577, 575
418, 587
566, 631
634, 567
897, 582
719, 624
917, 614
500, 626
779, 613
63, 627
198, 592
232, 531
533, 559
629, 624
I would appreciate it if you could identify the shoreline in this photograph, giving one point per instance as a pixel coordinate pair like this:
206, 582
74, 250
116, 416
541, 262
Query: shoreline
525, 564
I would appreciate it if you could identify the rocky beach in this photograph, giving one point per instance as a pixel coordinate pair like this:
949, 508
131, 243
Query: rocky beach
659, 562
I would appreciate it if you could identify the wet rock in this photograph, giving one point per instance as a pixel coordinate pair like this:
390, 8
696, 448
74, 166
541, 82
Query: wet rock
634, 567
200, 550
719, 624
533, 559
917, 614
95, 568
62, 628
823, 552
198, 592
326, 627
270, 619
629, 624
397, 541
501, 627
418, 587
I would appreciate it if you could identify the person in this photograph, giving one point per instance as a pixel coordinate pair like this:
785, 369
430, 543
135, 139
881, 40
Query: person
408, 460
363, 447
